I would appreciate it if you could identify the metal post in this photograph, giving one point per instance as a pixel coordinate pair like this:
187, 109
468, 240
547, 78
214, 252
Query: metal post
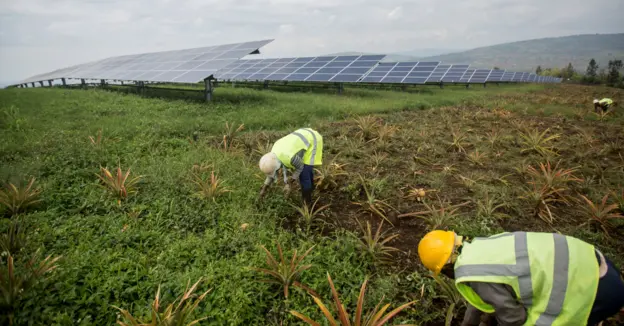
33, 84
102, 82
266, 84
340, 88
441, 85
41, 83
122, 82
50, 83
83, 83
484, 85
467, 85
208, 89
64, 82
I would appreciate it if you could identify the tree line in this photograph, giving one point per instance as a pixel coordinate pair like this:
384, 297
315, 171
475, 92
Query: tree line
593, 74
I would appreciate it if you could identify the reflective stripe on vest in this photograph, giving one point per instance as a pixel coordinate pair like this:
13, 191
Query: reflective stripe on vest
286, 147
542, 292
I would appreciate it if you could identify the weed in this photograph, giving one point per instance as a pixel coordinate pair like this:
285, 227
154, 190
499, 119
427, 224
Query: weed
374, 245
310, 214
326, 176
493, 137
541, 198
374, 317
119, 184
262, 147
17, 199
458, 142
372, 204
385, 132
208, 188
377, 159
620, 199
437, 218
536, 141
230, 136
555, 178
176, 313
602, 115
452, 296
490, 206
367, 126
14, 285
97, 141
476, 158
601, 212
14, 239
285, 273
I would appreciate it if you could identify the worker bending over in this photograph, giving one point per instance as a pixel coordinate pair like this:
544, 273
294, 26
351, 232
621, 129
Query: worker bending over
300, 151
603, 104
527, 278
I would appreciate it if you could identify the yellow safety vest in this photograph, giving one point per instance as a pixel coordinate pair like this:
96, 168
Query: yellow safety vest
554, 276
310, 140
606, 101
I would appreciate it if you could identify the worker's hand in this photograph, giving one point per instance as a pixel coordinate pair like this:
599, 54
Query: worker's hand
262, 192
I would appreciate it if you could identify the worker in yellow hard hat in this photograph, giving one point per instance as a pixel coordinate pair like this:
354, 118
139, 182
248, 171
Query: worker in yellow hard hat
603, 104
527, 278
300, 151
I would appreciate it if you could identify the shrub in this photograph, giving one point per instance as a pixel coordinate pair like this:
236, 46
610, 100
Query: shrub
17, 199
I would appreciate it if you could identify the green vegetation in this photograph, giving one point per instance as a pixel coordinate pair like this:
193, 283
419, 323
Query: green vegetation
179, 202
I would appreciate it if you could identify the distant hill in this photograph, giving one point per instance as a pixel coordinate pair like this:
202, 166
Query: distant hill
547, 52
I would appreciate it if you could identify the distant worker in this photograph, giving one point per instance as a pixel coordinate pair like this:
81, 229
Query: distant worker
301, 151
527, 278
603, 104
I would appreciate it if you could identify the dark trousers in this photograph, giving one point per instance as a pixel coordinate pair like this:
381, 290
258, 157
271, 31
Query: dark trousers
306, 178
610, 296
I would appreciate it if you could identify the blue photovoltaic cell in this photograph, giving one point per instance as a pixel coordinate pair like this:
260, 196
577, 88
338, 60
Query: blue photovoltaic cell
480, 76
438, 73
406, 72
188, 66
318, 69
507, 76
467, 75
455, 73
495, 75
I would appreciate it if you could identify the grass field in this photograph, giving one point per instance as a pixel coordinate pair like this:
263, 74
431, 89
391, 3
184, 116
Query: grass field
461, 159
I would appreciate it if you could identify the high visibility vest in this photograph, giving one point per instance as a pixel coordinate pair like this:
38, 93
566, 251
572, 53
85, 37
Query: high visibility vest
554, 276
606, 101
310, 140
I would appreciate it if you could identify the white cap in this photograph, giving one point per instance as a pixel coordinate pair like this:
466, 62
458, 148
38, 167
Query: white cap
595, 101
269, 163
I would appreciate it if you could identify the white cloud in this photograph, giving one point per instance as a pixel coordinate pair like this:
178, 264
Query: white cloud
42, 35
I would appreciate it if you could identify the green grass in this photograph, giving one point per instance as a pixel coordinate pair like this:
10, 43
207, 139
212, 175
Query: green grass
118, 253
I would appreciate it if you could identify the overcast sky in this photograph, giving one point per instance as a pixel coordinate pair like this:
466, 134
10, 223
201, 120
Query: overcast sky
38, 36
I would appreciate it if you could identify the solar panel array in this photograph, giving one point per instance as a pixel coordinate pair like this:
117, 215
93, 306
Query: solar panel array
224, 62
318, 69
181, 66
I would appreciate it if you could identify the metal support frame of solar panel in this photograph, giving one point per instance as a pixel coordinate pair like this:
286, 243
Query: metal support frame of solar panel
480, 76
408, 72
179, 66
495, 76
341, 69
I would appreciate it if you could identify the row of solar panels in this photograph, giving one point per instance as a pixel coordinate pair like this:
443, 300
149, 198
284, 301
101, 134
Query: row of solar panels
366, 69
223, 63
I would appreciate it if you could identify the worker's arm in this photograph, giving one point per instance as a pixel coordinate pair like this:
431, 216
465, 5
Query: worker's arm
297, 162
507, 309
472, 317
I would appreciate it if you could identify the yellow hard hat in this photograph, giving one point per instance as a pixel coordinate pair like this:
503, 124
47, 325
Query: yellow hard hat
435, 249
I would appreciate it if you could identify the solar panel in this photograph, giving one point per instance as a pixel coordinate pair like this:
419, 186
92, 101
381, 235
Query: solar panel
179, 66
507, 76
438, 73
319, 69
406, 72
455, 73
495, 75
480, 76
467, 75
